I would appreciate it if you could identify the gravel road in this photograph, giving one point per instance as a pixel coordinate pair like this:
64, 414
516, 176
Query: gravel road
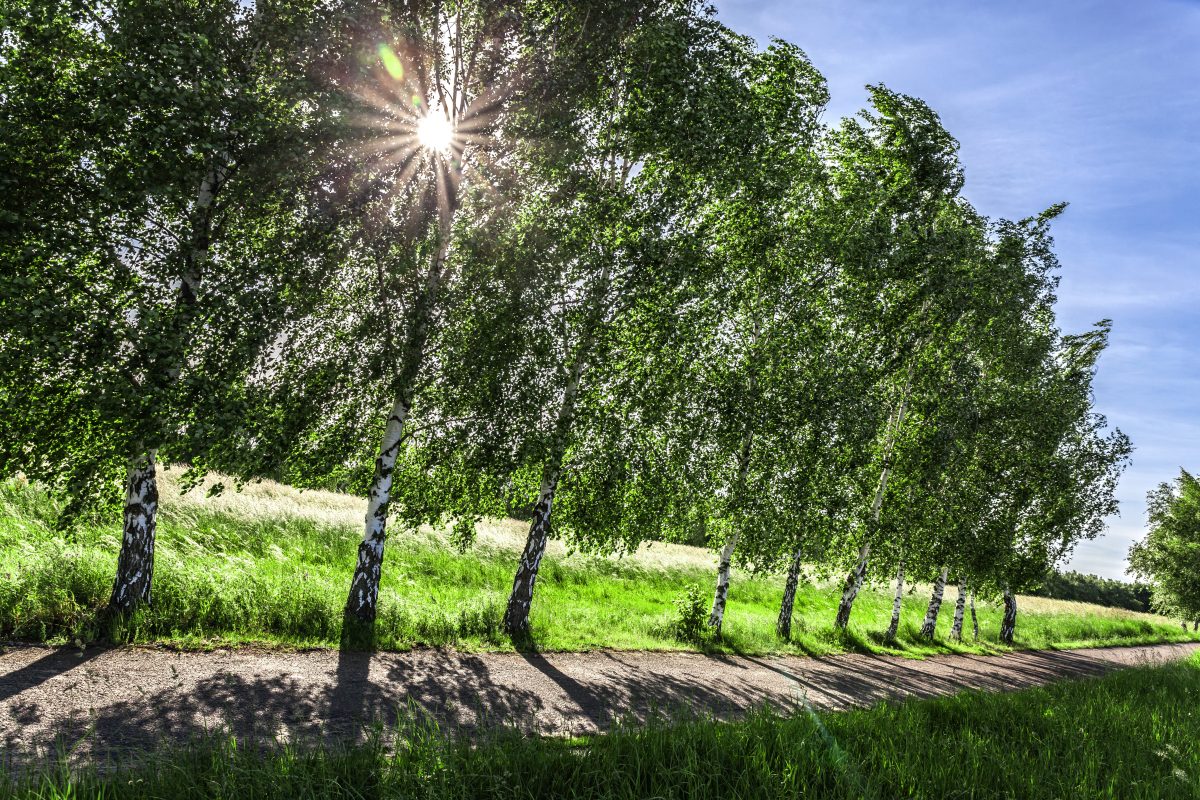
102, 701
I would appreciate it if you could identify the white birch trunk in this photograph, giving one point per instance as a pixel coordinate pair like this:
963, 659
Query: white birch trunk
1008, 626
959, 607
135, 564
716, 617
894, 625
516, 614
854, 580
783, 626
364, 586
520, 599
935, 605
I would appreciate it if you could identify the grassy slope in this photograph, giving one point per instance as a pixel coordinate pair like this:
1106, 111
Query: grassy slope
271, 565
1131, 734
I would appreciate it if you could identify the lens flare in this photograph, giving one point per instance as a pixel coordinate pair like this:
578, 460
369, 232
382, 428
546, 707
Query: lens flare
391, 62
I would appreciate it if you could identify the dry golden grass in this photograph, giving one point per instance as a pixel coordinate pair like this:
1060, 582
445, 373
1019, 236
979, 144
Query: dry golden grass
266, 499
1045, 605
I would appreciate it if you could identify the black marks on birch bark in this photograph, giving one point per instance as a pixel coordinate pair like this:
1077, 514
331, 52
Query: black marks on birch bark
783, 626
959, 606
854, 582
516, 614
135, 564
935, 606
364, 588
361, 603
1008, 625
716, 617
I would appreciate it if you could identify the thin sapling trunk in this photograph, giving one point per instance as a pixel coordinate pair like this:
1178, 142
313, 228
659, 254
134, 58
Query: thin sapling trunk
894, 625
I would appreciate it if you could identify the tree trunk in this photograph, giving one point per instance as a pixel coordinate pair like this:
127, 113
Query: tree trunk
854, 580
935, 606
717, 616
974, 619
783, 627
1196, 625
894, 625
364, 586
520, 600
1008, 626
516, 614
135, 564
959, 606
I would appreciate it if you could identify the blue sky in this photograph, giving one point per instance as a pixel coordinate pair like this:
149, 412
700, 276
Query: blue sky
1095, 103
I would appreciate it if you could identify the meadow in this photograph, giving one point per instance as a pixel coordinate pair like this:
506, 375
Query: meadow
1130, 734
270, 565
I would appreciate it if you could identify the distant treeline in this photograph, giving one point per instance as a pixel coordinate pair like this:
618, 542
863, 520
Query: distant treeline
1094, 589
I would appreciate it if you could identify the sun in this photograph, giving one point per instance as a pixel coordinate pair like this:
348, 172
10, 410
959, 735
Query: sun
434, 132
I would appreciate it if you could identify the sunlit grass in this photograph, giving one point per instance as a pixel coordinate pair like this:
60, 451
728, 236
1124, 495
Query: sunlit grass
271, 565
1131, 734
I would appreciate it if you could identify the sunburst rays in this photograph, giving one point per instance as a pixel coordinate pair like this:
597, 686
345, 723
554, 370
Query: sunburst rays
423, 118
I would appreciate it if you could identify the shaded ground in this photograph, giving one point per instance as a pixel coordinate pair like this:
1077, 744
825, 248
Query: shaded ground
99, 701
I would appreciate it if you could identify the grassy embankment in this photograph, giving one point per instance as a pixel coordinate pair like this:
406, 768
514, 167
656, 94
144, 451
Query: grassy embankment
271, 565
1131, 734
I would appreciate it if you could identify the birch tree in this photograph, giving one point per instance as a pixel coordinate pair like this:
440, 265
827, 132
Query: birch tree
619, 258
748, 373
445, 91
1057, 485
188, 137
898, 178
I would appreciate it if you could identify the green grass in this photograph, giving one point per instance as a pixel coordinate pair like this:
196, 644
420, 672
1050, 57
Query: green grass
1131, 734
272, 566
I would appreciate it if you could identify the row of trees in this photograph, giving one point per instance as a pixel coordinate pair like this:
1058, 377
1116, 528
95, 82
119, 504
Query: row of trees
464, 256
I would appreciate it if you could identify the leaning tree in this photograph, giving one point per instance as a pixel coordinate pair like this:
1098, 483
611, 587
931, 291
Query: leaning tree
157, 206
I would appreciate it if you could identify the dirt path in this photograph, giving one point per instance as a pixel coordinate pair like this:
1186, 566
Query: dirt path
102, 700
